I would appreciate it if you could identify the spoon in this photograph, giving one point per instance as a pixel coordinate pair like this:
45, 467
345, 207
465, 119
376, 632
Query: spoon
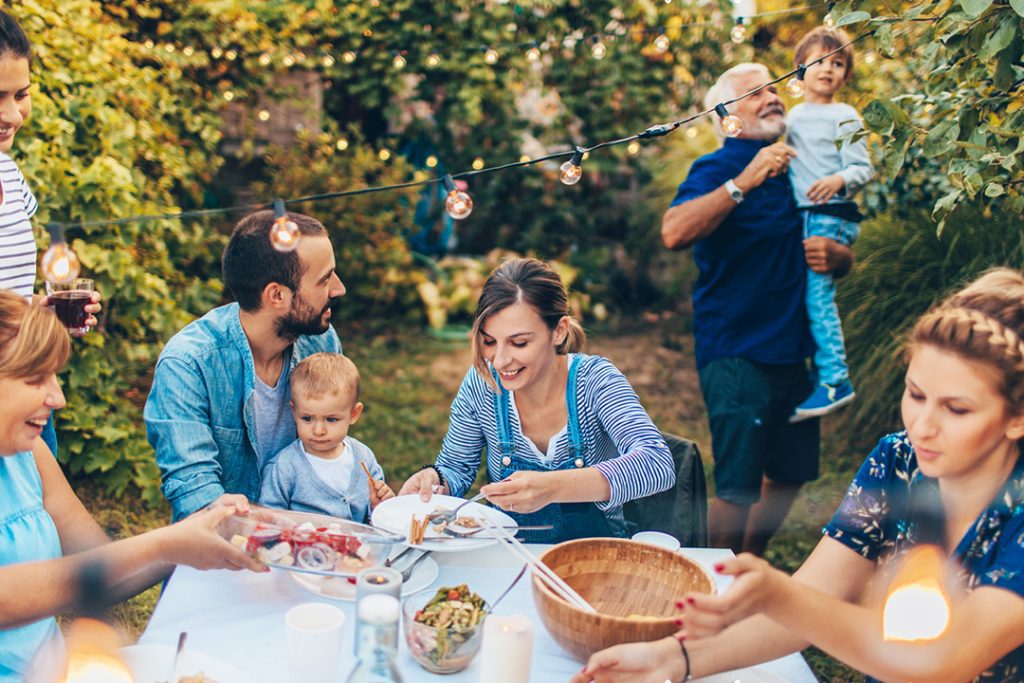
507, 590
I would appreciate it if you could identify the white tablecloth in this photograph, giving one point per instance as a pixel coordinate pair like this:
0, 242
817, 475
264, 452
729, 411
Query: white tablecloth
239, 617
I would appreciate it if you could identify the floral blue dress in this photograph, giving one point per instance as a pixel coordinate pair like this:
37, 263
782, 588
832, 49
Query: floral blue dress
891, 506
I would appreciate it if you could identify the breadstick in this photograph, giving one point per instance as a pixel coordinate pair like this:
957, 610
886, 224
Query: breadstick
371, 483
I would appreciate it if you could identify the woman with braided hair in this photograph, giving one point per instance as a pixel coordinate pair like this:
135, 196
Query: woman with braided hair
953, 478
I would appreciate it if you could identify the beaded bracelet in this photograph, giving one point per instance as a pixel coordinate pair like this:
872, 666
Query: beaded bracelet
441, 481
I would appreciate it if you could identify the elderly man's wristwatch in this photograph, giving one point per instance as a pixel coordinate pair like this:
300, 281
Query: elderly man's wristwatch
734, 192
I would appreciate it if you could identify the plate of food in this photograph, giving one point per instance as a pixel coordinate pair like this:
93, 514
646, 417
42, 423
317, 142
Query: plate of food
341, 588
407, 516
310, 543
153, 663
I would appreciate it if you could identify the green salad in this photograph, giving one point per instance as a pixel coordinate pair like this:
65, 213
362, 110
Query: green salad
454, 613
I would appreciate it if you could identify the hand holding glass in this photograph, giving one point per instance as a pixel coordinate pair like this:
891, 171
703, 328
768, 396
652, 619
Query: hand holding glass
69, 300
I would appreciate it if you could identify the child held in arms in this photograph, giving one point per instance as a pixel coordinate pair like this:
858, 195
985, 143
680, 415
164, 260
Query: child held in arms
325, 470
825, 179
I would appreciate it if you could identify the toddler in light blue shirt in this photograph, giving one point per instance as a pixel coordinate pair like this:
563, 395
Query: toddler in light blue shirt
325, 470
824, 179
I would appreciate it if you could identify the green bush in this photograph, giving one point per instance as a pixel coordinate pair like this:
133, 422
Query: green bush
903, 268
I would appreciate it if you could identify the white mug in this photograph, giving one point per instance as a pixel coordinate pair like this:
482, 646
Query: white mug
666, 541
314, 632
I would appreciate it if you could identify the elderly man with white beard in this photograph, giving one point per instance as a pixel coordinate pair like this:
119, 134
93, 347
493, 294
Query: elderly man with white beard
752, 340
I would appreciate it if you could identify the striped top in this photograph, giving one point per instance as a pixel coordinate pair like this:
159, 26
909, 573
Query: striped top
619, 439
17, 243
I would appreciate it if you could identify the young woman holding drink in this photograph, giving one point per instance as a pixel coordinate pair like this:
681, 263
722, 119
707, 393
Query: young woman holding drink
17, 203
46, 534
954, 479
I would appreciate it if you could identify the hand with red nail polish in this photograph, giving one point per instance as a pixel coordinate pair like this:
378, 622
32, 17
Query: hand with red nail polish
753, 587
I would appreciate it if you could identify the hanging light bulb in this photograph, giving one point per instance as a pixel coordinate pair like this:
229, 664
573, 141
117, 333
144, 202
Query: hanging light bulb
533, 54
598, 49
458, 204
731, 124
398, 62
384, 154
284, 234
433, 60
478, 163
662, 43
634, 147
188, 50
341, 144
264, 59
231, 55
289, 60
739, 31
264, 115
216, 52
59, 264
327, 60
348, 56
149, 44
229, 95
796, 85
570, 172
431, 161
829, 21
491, 56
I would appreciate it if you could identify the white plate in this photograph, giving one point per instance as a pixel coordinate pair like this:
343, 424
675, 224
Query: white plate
150, 663
339, 588
751, 675
396, 513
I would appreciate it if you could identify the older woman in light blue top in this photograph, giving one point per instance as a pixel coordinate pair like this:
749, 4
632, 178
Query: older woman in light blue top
46, 534
567, 440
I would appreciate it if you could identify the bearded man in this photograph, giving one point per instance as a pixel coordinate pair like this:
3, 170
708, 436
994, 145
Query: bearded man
752, 338
218, 410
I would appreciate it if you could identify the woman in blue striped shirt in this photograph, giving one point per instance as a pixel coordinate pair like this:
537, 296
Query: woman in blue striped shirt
567, 440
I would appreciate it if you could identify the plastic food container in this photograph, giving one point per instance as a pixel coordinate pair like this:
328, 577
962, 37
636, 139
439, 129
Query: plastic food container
310, 543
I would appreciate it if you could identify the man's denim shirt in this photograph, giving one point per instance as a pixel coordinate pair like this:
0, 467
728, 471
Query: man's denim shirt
200, 414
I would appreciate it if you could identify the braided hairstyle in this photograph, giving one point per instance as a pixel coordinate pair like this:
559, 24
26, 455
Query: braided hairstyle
983, 322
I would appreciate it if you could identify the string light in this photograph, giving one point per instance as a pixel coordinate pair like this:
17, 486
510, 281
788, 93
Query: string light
229, 95
264, 115
284, 234
264, 59
598, 49
829, 21
188, 51
148, 44
216, 52
634, 147
231, 55
169, 47
739, 31
59, 264
662, 43
398, 62
533, 54
491, 56
796, 86
288, 60
433, 60
731, 124
341, 144
384, 154
458, 204
571, 171
348, 56
327, 61
478, 163
431, 161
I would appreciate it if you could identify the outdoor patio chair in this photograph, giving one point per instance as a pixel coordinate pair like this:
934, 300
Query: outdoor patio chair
681, 511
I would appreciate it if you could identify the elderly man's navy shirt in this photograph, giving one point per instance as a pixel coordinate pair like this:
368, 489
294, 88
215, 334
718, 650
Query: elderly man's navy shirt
749, 298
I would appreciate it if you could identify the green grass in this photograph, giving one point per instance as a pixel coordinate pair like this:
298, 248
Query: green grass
408, 382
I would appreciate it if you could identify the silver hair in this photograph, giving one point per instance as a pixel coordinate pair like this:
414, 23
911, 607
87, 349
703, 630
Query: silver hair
724, 88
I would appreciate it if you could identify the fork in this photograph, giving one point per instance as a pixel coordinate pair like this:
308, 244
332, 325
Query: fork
469, 534
449, 515
407, 572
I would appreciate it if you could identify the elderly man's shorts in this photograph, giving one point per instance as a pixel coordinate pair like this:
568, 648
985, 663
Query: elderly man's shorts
749, 405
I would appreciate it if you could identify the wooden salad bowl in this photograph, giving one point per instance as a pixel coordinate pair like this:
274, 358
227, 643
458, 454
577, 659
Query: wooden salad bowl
633, 586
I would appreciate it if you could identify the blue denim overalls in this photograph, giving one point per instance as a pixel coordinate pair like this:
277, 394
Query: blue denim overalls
570, 520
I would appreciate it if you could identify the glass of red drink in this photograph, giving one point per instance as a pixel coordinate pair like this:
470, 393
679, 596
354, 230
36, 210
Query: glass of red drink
69, 300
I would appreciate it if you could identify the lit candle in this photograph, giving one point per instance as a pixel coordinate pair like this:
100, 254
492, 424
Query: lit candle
376, 581
917, 604
507, 650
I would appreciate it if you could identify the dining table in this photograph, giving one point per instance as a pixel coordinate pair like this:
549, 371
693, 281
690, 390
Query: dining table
239, 617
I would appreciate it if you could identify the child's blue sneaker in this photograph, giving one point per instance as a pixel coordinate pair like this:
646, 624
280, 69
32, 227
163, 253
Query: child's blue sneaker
823, 400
